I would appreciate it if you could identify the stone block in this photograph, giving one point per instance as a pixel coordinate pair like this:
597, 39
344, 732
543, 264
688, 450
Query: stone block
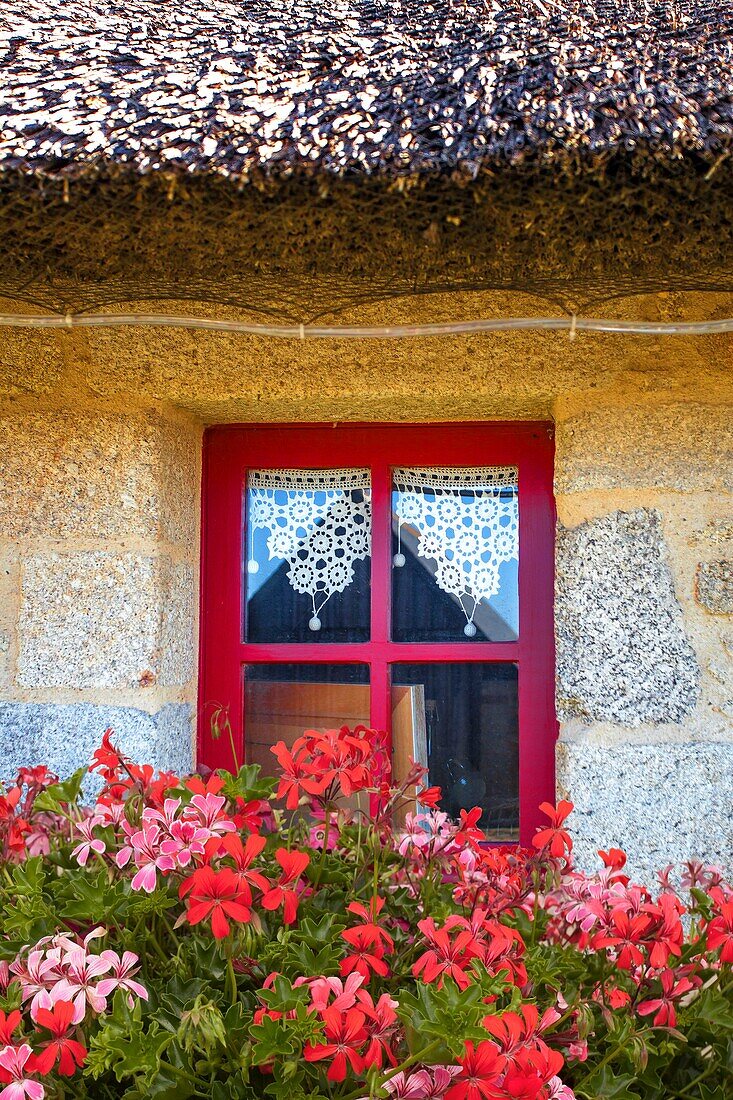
676, 446
714, 586
65, 736
662, 803
97, 476
622, 651
94, 620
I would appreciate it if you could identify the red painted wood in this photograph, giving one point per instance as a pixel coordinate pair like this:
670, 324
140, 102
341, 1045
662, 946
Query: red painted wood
232, 449
343, 652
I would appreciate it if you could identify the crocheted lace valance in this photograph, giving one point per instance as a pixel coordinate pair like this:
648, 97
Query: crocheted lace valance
466, 521
319, 521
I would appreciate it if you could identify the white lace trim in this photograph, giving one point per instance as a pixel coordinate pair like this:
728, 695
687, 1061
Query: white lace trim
467, 521
317, 520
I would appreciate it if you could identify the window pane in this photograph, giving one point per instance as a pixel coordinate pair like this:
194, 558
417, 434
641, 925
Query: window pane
455, 554
460, 721
308, 545
283, 700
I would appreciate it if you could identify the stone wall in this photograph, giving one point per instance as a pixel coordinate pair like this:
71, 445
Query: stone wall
644, 627
101, 433
99, 542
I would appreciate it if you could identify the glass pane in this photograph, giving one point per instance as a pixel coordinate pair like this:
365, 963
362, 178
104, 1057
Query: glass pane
283, 700
308, 545
460, 721
455, 535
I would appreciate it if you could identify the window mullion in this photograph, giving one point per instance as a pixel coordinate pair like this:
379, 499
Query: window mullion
381, 594
381, 554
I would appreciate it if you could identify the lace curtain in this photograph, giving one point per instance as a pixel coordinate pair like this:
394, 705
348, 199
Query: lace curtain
319, 521
466, 521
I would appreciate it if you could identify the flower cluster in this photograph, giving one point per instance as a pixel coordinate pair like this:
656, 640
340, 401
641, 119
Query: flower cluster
322, 766
63, 984
23, 832
332, 932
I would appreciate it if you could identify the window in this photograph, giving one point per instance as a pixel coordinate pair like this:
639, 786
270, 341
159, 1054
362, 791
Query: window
396, 576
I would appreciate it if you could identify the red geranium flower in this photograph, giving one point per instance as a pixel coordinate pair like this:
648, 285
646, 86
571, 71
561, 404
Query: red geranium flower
381, 1025
446, 957
369, 942
243, 856
106, 759
467, 831
251, 815
366, 956
614, 858
69, 1053
298, 775
212, 785
720, 930
513, 1030
529, 1071
345, 1034
8, 1025
627, 934
663, 1006
430, 797
218, 894
480, 1068
555, 838
284, 892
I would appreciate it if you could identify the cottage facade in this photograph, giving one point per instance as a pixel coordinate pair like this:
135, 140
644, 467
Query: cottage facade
373, 171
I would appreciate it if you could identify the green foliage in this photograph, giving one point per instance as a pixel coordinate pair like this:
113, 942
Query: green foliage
381, 945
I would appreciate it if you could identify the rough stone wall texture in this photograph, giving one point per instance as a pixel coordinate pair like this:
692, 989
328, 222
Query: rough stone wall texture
643, 622
100, 436
99, 544
622, 655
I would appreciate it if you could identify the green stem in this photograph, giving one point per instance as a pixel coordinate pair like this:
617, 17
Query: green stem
687, 1091
154, 940
185, 1075
324, 849
535, 909
232, 981
235, 758
603, 1062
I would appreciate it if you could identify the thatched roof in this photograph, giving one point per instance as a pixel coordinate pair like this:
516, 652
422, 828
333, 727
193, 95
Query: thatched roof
360, 86
573, 150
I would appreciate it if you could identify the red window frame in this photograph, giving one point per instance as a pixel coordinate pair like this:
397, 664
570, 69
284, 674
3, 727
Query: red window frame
230, 450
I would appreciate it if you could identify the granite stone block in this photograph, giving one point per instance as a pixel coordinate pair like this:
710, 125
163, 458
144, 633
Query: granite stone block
64, 736
662, 803
93, 619
98, 475
622, 651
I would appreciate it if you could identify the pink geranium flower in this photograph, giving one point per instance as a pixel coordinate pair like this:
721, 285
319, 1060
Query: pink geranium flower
35, 974
145, 846
206, 810
164, 817
429, 1083
90, 843
14, 1060
344, 993
121, 977
78, 984
185, 840
110, 813
559, 1091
